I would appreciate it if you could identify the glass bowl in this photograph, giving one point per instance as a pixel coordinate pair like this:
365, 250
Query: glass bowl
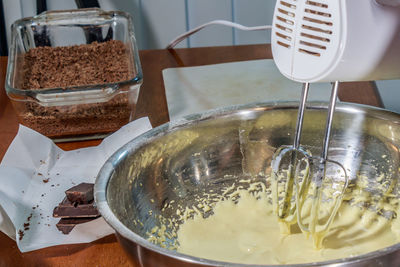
73, 111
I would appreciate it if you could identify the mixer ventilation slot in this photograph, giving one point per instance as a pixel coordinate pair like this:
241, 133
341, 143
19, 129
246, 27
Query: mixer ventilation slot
286, 4
283, 44
319, 13
317, 26
315, 37
287, 13
316, 29
309, 52
283, 36
285, 22
318, 21
312, 3
313, 45
283, 28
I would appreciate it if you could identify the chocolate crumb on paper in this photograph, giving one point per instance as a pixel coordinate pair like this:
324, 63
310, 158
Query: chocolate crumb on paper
26, 227
20, 234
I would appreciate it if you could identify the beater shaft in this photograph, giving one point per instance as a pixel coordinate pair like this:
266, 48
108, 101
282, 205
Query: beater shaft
329, 119
300, 115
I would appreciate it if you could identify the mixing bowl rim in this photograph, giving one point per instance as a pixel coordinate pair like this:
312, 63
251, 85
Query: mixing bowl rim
102, 180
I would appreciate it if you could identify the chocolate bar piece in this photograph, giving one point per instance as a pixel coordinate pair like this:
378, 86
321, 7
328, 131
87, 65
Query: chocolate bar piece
67, 209
66, 225
77, 207
81, 193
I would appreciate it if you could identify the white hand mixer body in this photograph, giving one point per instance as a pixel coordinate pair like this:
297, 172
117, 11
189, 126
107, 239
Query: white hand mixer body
326, 41
342, 40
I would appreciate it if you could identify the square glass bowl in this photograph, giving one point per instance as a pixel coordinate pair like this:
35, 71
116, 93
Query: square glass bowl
73, 112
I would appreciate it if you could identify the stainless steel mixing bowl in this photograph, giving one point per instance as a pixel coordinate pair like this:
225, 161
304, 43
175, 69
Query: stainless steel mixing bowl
167, 167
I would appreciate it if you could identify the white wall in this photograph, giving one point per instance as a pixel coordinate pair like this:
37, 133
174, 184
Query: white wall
160, 21
390, 94
157, 22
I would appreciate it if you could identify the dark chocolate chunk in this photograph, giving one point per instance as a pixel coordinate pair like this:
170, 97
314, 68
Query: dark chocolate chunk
65, 229
81, 193
66, 225
67, 209
77, 207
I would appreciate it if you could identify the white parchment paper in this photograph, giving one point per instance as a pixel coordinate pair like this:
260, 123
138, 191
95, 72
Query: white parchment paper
34, 175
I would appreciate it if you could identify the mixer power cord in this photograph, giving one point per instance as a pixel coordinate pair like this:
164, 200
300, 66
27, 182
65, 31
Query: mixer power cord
183, 36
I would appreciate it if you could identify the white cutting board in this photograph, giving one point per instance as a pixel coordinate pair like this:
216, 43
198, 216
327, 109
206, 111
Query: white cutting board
196, 89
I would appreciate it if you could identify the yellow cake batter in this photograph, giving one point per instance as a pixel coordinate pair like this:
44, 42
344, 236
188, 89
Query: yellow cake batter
248, 232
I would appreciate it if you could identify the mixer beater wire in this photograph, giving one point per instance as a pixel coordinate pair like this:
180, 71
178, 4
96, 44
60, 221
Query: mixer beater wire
299, 178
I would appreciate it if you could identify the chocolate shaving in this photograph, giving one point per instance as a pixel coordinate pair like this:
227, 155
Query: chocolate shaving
65, 66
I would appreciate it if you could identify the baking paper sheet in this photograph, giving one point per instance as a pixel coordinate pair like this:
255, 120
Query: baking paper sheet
34, 175
196, 89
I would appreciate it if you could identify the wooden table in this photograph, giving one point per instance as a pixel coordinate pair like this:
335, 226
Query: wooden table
152, 103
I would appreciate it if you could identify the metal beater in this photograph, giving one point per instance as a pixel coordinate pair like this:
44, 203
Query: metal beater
299, 177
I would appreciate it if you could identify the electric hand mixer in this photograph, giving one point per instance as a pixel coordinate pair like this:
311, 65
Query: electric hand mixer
326, 41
